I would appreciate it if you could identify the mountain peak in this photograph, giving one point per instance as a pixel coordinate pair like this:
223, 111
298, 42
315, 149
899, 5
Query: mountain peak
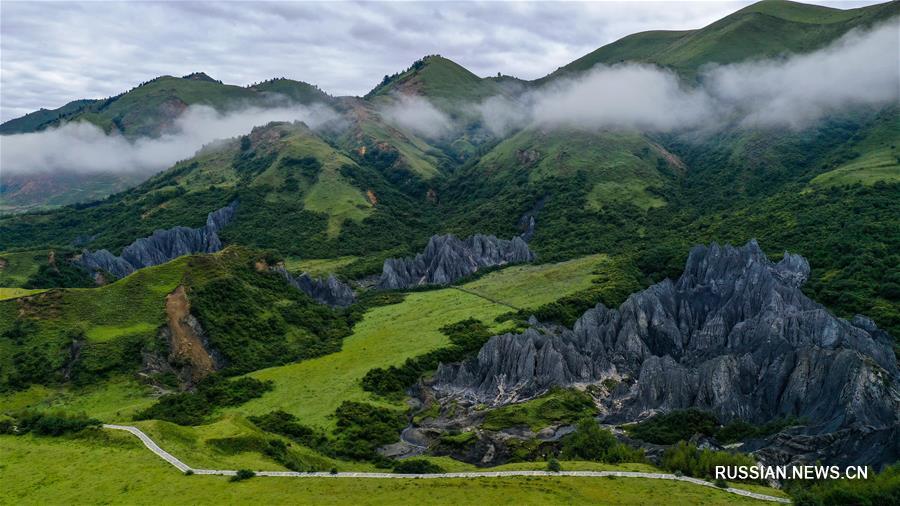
201, 76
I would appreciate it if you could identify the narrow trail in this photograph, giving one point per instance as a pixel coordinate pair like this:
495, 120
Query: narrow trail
181, 466
485, 297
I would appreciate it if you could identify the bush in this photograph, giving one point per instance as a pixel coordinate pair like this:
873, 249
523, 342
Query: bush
55, 423
417, 466
592, 442
192, 408
883, 488
679, 425
692, 461
243, 474
721, 484
362, 428
553, 465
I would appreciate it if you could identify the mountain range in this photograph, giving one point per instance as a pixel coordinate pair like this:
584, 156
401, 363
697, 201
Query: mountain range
483, 249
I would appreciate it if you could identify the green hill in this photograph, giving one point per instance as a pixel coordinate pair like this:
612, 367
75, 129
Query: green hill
149, 108
764, 29
34, 121
444, 82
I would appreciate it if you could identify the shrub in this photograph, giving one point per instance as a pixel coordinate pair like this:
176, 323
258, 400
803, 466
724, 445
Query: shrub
692, 461
192, 408
417, 466
721, 483
55, 423
243, 474
592, 442
553, 465
669, 428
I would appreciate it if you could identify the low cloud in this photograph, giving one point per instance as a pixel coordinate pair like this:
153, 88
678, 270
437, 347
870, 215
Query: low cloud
417, 115
860, 69
83, 147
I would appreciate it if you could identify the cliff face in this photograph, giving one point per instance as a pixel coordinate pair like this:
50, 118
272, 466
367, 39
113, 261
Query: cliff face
330, 291
734, 335
447, 259
162, 246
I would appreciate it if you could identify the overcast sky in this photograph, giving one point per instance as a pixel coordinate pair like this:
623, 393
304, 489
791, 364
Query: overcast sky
51, 53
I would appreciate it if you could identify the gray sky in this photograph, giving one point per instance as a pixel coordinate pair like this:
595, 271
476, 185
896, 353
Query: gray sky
51, 53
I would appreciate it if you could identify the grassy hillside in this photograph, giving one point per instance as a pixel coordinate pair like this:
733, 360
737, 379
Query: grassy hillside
446, 83
34, 121
764, 29
151, 107
83, 336
292, 182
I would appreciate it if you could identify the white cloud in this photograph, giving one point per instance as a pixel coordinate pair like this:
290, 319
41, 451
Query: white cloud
860, 69
57, 52
418, 115
83, 147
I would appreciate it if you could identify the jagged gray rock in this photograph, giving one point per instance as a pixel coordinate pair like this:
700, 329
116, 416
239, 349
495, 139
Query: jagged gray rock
734, 335
330, 291
161, 246
447, 259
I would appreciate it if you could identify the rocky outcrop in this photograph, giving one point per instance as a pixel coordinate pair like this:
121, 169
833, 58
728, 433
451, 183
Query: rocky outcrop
447, 259
330, 291
162, 246
734, 335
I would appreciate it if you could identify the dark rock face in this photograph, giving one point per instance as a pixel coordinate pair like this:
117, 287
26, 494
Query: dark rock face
734, 335
162, 246
447, 259
330, 291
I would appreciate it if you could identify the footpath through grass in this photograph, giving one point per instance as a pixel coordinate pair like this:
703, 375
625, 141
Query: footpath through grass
112, 468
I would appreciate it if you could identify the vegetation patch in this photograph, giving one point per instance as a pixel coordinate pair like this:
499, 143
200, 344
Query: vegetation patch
558, 406
192, 408
692, 461
681, 425
54, 423
466, 338
594, 443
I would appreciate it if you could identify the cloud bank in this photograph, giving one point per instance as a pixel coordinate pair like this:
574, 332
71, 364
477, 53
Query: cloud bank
83, 147
860, 69
418, 115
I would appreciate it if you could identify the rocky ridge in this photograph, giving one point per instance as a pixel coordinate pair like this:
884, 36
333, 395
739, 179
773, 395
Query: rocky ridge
330, 290
447, 259
160, 247
734, 335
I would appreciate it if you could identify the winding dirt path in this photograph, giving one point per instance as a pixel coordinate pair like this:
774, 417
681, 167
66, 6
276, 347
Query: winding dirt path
181, 466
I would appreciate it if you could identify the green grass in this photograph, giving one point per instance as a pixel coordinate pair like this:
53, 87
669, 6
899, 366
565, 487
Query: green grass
218, 445
116, 399
633, 191
532, 285
318, 266
114, 468
877, 165
20, 265
388, 335
765, 29
618, 167
557, 407
108, 332
14, 293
